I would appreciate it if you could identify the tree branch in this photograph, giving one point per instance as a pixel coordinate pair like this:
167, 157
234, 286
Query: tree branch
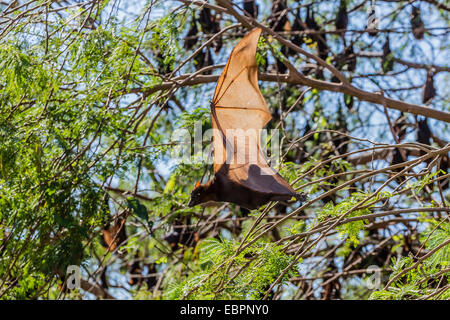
318, 84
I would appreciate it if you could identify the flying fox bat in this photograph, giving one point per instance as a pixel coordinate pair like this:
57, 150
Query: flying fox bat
239, 111
114, 236
418, 28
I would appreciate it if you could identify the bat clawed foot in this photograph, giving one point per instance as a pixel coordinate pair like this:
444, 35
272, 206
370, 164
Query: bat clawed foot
302, 197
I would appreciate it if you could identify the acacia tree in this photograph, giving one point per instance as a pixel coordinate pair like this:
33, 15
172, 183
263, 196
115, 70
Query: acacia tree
90, 92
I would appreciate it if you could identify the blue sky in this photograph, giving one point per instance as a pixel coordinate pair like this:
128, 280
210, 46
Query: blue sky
425, 51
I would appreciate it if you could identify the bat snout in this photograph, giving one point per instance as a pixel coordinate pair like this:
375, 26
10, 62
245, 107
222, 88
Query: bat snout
192, 202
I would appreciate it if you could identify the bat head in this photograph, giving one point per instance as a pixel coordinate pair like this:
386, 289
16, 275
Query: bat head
197, 194
203, 193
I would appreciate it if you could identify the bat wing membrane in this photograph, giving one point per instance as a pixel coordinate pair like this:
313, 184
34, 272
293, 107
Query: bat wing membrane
239, 112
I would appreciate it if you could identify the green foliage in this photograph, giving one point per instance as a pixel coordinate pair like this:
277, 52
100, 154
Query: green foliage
137, 208
419, 280
351, 230
85, 136
267, 259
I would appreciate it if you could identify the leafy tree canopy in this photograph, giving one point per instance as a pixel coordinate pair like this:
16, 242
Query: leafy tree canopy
91, 92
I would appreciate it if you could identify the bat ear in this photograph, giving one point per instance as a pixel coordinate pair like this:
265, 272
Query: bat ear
197, 184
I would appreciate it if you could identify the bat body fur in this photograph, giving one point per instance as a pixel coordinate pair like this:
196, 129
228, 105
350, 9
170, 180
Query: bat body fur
221, 189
